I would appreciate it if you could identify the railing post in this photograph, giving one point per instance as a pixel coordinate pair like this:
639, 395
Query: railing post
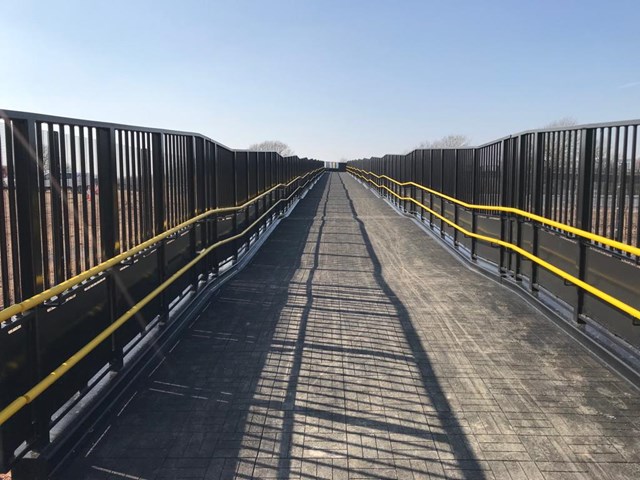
193, 157
442, 190
420, 181
27, 166
455, 195
538, 159
215, 258
160, 208
474, 200
234, 174
413, 177
430, 186
109, 226
519, 199
584, 209
504, 180
56, 186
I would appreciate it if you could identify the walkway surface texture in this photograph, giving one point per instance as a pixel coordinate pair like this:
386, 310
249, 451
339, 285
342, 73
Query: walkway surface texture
355, 346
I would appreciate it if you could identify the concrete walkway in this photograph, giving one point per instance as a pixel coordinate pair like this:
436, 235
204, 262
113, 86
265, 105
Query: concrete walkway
355, 346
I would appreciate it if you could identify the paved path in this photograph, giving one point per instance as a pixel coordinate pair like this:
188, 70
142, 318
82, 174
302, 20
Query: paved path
355, 346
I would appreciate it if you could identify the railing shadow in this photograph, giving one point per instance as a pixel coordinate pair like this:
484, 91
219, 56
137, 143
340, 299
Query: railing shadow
331, 416
307, 365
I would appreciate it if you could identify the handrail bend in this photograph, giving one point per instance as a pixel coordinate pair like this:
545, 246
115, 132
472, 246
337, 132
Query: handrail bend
20, 402
630, 310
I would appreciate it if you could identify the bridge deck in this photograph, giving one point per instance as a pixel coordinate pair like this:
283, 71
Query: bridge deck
354, 346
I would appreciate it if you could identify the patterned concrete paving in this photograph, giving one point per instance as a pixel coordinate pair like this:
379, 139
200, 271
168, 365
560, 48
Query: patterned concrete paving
354, 346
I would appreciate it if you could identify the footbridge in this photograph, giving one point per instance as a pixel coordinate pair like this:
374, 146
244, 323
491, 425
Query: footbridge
173, 308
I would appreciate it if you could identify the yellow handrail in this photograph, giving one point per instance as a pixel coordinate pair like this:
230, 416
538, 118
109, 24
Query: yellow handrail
42, 297
23, 400
516, 211
632, 311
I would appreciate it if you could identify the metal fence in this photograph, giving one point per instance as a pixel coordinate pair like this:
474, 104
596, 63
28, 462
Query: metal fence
75, 194
586, 177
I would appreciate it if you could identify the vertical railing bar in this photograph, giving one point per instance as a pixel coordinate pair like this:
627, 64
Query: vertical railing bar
11, 185
144, 207
623, 185
43, 209
632, 182
180, 179
85, 209
65, 202
124, 244
566, 148
175, 180
133, 174
76, 207
168, 179
55, 207
605, 212
600, 153
184, 179
131, 214
546, 173
92, 196
4, 245
572, 177
616, 159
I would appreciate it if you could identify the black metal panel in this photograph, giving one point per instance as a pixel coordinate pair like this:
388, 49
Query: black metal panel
449, 214
65, 329
252, 174
178, 253
224, 177
465, 220
241, 177
15, 380
261, 167
618, 278
560, 252
132, 283
489, 226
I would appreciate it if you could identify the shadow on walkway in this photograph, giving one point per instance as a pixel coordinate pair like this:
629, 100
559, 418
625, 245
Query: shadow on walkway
306, 365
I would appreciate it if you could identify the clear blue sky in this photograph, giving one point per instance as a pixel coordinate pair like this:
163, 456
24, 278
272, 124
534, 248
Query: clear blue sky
334, 79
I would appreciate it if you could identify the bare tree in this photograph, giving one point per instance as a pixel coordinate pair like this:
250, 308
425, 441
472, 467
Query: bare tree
562, 122
272, 146
448, 141
559, 146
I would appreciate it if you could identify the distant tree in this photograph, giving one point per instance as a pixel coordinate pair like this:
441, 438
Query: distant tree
272, 146
562, 122
448, 141
555, 145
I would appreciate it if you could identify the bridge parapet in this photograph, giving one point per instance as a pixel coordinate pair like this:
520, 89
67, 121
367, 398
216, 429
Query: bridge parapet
106, 231
554, 211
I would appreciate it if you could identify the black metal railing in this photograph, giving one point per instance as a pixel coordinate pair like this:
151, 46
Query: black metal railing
586, 177
94, 218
